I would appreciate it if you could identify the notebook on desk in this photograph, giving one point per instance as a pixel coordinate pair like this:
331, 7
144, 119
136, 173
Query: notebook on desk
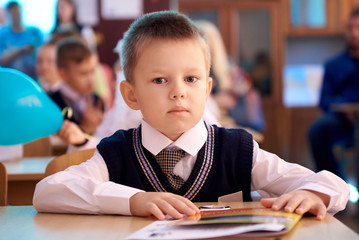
255, 222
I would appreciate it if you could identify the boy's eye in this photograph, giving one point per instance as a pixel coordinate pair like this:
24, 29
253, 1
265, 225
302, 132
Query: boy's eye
159, 80
191, 79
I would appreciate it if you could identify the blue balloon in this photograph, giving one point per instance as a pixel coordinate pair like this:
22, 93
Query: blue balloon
27, 113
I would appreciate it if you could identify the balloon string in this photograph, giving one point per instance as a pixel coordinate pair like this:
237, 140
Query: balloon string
67, 112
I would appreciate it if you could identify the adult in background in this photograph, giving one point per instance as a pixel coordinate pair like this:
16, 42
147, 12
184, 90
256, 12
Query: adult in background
340, 85
18, 42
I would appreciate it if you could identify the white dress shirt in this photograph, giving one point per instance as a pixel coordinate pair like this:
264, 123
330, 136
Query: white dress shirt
86, 188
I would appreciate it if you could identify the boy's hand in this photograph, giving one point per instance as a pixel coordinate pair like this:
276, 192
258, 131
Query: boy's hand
300, 202
160, 204
71, 133
92, 116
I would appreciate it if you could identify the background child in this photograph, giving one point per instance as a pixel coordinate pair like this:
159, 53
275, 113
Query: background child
76, 65
46, 69
166, 63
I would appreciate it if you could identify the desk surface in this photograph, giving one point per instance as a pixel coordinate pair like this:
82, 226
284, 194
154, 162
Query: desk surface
23, 222
32, 168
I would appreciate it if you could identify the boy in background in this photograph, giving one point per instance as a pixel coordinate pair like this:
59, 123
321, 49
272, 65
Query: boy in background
174, 157
76, 66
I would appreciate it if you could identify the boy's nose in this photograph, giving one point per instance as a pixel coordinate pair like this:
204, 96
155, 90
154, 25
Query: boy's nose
177, 92
177, 95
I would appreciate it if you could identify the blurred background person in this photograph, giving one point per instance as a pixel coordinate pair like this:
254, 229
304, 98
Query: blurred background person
104, 75
46, 69
66, 22
2, 16
261, 72
340, 85
18, 42
233, 90
76, 65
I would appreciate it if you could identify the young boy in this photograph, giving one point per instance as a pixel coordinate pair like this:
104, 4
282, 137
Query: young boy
166, 64
76, 66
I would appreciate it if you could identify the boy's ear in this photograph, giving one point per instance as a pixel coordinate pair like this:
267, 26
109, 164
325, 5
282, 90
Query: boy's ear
209, 86
128, 95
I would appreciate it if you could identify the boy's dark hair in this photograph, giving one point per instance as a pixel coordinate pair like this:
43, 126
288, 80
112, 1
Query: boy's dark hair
71, 50
12, 4
157, 25
60, 36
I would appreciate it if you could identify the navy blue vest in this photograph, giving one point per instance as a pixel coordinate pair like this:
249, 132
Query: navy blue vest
223, 164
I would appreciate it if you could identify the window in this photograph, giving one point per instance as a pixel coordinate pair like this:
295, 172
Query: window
38, 13
308, 13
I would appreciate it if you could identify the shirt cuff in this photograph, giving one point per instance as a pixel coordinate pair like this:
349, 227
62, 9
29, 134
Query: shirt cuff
337, 201
89, 144
115, 199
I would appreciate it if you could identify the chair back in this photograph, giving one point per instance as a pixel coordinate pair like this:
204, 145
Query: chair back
62, 162
3, 185
38, 148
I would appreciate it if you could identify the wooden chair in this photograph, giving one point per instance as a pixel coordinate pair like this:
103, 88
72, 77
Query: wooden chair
64, 161
38, 148
3, 185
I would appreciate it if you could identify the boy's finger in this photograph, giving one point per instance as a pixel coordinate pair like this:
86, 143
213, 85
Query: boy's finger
293, 203
267, 202
181, 205
89, 102
319, 210
156, 211
99, 105
189, 204
304, 207
170, 210
281, 201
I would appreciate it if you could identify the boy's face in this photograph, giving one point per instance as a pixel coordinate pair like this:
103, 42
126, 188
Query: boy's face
46, 64
80, 76
170, 85
15, 15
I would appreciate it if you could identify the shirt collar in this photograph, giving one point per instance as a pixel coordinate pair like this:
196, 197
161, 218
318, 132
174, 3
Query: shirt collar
50, 87
190, 141
70, 93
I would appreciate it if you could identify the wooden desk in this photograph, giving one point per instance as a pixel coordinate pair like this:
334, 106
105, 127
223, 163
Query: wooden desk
23, 175
23, 222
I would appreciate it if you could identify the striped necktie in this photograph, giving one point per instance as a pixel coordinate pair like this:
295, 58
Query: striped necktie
167, 161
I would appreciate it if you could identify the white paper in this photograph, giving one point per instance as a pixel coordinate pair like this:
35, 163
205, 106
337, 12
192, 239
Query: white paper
121, 9
162, 230
87, 12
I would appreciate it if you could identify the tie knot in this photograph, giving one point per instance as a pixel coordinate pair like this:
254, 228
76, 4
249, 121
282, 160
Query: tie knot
168, 159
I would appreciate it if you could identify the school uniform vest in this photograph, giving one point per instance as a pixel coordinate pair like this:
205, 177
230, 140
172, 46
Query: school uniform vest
223, 164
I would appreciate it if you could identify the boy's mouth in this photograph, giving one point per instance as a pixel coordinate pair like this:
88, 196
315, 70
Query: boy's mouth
178, 111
